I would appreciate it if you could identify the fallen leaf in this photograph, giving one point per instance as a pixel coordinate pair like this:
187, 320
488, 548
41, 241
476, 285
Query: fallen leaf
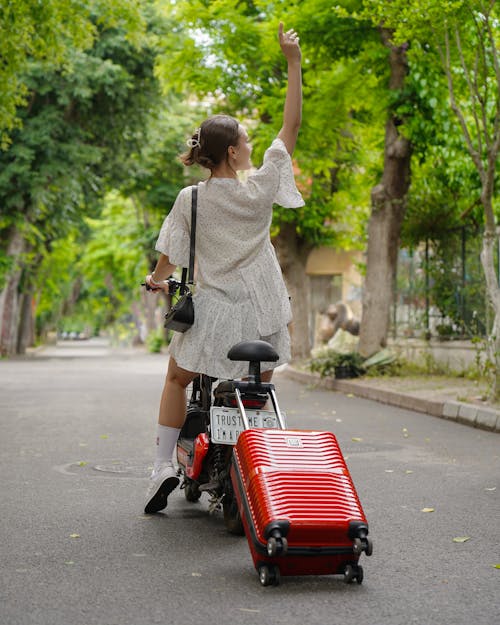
69, 562
82, 445
350, 395
103, 436
389, 470
408, 472
82, 463
196, 574
74, 535
491, 489
356, 439
427, 510
496, 566
338, 420
334, 412
461, 539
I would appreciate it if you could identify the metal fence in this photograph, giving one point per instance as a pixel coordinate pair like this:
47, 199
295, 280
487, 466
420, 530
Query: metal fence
440, 288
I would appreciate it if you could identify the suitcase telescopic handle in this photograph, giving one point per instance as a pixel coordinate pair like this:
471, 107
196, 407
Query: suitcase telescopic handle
274, 401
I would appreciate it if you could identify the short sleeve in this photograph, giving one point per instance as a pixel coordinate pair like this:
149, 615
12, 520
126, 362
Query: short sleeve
174, 237
287, 194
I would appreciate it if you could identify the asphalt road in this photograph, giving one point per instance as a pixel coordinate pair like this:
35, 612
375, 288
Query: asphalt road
77, 438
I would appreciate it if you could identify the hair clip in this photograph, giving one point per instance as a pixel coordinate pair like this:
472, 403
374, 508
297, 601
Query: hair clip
194, 142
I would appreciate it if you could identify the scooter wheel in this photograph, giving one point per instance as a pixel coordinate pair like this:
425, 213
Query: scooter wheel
192, 491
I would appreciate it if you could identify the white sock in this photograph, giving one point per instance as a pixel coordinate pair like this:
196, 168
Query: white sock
166, 442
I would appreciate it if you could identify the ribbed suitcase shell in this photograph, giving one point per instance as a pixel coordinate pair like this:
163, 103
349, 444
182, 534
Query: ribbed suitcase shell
300, 477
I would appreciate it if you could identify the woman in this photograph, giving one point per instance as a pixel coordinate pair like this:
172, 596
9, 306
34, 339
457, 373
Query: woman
240, 293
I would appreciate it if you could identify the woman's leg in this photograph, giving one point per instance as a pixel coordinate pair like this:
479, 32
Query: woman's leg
170, 421
173, 398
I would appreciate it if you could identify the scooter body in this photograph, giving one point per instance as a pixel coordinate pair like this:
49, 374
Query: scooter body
205, 464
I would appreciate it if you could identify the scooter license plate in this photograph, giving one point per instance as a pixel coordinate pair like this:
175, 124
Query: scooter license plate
226, 424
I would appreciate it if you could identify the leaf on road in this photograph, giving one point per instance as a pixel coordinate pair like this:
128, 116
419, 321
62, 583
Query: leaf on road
427, 510
338, 420
69, 562
408, 472
405, 433
74, 535
350, 395
356, 439
195, 574
82, 445
82, 464
389, 470
496, 566
493, 488
461, 539
104, 436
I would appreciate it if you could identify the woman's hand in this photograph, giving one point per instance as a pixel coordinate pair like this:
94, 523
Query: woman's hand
155, 286
289, 42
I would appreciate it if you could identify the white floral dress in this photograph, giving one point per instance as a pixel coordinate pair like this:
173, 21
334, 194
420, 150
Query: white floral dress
240, 293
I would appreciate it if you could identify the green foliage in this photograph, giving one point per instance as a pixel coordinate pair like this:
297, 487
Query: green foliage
155, 341
113, 262
336, 364
77, 132
52, 30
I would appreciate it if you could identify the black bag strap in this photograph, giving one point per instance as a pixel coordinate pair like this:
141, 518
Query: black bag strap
185, 274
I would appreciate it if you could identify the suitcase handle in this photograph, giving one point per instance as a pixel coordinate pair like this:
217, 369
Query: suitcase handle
274, 401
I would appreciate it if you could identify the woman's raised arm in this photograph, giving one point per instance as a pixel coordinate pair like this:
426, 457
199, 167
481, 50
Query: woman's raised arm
292, 115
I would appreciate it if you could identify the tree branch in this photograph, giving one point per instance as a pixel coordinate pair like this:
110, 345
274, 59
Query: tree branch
446, 62
481, 57
495, 148
474, 96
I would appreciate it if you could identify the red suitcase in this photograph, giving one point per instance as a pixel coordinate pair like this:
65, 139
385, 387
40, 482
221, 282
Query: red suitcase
298, 504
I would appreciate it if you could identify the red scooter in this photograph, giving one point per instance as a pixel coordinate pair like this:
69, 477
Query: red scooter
212, 427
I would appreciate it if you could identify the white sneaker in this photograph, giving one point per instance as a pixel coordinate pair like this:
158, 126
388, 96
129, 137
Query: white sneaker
162, 482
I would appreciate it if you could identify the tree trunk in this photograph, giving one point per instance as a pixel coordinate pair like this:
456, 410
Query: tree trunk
26, 330
9, 297
292, 253
493, 290
384, 228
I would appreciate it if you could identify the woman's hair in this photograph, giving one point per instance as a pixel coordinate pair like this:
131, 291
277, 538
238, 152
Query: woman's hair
209, 144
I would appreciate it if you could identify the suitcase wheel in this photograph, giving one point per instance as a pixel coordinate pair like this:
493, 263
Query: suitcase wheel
365, 545
277, 546
353, 572
269, 575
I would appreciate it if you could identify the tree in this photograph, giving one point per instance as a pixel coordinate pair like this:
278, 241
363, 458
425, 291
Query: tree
78, 129
51, 30
463, 35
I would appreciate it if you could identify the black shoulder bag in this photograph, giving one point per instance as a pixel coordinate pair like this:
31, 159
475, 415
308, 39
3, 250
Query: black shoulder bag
181, 316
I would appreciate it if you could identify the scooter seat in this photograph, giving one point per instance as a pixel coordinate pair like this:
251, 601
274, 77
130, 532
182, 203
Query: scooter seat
253, 351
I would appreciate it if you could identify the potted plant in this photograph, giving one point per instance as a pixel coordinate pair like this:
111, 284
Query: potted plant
341, 366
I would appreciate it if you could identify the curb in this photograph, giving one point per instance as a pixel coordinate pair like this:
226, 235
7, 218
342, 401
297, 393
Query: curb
467, 414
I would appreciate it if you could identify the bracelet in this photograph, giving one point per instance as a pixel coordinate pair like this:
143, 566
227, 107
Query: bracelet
153, 281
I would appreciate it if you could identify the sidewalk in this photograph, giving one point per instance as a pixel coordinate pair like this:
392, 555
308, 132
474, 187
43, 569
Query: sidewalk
455, 399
